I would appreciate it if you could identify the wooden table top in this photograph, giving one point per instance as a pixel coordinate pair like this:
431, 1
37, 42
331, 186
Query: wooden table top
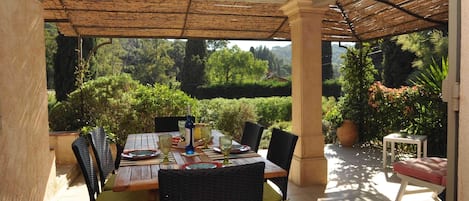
145, 176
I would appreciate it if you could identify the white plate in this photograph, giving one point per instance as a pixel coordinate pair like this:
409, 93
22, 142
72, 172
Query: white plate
235, 149
140, 154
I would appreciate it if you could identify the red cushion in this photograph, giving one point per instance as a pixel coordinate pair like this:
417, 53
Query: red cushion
430, 169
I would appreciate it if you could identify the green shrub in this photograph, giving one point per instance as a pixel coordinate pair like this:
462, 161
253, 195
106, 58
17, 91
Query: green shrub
267, 134
232, 117
63, 117
411, 108
159, 101
268, 110
247, 90
331, 118
120, 104
51, 99
107, 101
272, 109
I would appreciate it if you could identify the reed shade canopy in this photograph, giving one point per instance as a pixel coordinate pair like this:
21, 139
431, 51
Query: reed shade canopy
345, 20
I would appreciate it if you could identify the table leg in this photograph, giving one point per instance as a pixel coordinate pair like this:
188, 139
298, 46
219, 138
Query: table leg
419, 149
392, 152
384, 153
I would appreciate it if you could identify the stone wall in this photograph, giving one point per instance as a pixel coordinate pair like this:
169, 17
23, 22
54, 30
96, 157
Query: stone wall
25, 160
61, 143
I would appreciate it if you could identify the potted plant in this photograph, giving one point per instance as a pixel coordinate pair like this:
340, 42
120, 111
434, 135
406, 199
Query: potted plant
357, 75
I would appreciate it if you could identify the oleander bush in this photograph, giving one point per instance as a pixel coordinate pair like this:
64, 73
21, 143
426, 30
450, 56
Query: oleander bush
414, 109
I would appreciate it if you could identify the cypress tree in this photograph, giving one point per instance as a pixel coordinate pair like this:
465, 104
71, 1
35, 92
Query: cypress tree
193, 71
397, 64
65, 64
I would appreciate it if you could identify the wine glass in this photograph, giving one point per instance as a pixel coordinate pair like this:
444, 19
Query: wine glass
164, 143
182, 129
206, 135
225, 147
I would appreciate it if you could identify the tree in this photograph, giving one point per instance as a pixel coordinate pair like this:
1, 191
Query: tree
148, 60
234, 66
397, 64
214, 45
108, 58
357, 75
426, 45
326, 60
66, 62
193, 72
263, 53
50, 31
177, 53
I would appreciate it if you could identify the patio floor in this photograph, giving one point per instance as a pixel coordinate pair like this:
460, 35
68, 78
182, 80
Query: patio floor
353, 174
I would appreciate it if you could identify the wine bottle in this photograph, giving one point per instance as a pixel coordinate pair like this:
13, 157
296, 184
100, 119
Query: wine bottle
189, 132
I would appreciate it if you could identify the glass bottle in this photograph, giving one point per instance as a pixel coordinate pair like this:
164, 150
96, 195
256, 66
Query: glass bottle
189, 133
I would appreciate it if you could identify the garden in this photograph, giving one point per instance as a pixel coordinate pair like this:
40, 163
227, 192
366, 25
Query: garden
376, 97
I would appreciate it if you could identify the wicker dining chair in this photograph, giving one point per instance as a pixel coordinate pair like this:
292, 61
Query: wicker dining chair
252, 134
168, 124
103, 156
281, 147
235, 183
82, 154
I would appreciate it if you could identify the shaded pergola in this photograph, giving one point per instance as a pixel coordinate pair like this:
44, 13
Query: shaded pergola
305, 22
344, 20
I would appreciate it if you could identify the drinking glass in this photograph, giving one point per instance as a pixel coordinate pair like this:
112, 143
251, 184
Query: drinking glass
164, 143
225, 147
206, 135
182, 129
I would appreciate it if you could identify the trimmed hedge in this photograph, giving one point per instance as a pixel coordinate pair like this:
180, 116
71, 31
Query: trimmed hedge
243, 91
233, 91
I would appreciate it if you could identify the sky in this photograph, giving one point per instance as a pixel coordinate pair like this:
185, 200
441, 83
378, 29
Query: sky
246, 44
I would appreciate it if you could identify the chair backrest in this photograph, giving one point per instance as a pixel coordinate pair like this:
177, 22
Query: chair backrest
82, 154
102, 153
252, 134
281, 147
243, 182
168, 124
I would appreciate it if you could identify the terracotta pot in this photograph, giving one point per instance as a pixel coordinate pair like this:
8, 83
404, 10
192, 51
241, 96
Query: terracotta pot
347, 133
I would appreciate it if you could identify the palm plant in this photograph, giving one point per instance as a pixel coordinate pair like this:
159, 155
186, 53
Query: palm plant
431, 78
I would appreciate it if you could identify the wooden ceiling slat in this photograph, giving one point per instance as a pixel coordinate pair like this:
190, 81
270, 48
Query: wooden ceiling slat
236, 8
267, 24
118, 19
123, 32
226, 34
175, 6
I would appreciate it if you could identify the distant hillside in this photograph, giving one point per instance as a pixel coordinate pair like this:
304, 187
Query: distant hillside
285, 54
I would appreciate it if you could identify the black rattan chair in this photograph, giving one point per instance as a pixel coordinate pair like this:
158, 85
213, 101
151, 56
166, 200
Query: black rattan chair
281, 147
236, 183
252, 134
102, 153
82, 154
168, 124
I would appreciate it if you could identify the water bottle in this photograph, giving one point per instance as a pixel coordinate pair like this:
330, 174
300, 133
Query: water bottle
189, 133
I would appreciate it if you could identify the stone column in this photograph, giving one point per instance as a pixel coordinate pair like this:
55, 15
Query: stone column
309, 165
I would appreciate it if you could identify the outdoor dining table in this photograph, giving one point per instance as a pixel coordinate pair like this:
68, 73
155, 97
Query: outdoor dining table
143, 174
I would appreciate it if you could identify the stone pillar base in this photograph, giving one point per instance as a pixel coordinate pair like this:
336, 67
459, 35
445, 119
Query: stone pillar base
308, 171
